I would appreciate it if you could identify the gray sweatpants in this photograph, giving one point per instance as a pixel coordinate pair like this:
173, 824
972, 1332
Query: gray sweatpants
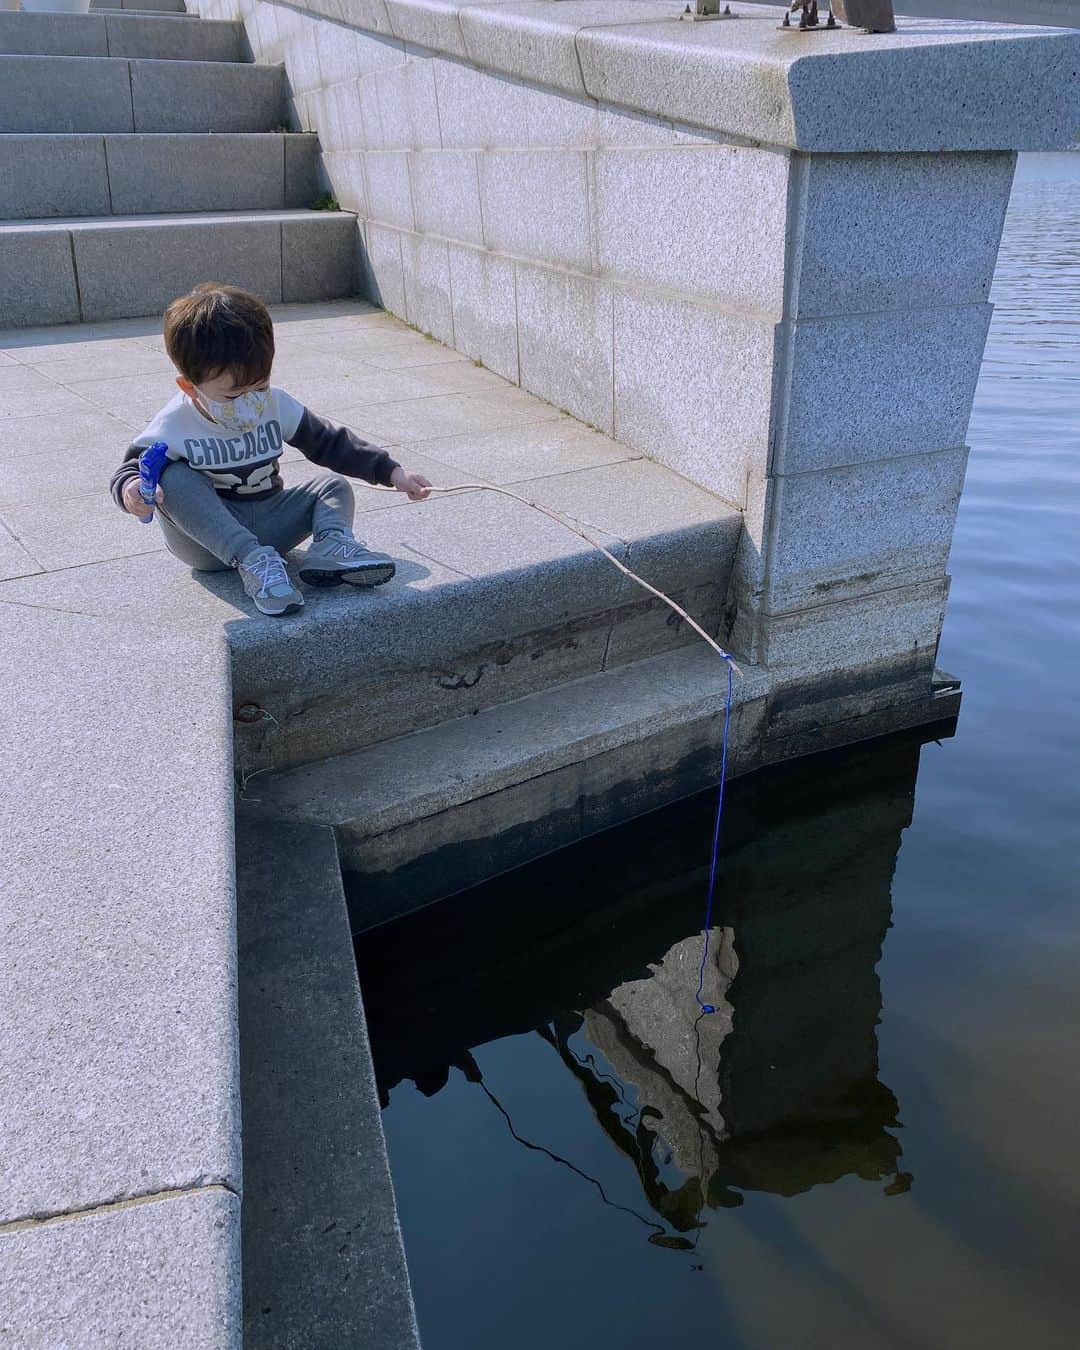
210, 533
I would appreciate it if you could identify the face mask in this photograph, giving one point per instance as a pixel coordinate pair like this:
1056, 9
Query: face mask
237, 414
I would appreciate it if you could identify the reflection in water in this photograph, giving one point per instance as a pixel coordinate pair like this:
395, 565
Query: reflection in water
776, 1091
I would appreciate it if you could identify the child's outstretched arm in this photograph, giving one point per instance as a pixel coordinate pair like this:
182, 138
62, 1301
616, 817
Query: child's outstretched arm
343, 451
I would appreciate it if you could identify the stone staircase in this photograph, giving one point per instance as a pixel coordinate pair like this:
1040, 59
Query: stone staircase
142, 152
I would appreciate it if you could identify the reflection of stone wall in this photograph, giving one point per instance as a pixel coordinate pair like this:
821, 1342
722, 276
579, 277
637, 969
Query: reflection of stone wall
746, 1096
644, 1025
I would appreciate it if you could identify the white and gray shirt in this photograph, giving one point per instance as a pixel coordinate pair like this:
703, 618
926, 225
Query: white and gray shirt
243, 466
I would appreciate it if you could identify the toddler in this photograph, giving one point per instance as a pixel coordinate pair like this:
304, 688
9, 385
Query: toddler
221, 502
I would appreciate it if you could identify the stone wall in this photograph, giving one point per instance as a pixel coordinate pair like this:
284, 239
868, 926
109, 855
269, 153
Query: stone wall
783, 297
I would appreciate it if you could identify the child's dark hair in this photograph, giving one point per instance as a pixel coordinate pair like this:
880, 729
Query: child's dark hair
214, 329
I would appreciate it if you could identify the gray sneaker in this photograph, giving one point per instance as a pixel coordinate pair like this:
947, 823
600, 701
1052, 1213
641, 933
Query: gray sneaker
335, 556
267, 582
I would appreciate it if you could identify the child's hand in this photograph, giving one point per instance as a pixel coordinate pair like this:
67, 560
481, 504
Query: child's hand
415, 486
133, 502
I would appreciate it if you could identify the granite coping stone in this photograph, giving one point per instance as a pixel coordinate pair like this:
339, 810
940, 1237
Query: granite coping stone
112, 920
159, 1275
419, 775
934, 84
323, 1258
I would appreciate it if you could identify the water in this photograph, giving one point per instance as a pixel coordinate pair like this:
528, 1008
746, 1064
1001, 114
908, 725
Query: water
873, 1143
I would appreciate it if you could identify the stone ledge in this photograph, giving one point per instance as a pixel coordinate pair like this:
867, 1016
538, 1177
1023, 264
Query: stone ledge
323, 1260
158, 1275
118, 1070
932, 85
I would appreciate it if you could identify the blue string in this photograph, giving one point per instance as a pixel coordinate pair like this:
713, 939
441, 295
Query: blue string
708, 1007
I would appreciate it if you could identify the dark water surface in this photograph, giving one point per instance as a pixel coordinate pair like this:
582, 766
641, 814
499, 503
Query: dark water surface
874, 1141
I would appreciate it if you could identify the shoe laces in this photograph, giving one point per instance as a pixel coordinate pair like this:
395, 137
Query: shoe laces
268, 570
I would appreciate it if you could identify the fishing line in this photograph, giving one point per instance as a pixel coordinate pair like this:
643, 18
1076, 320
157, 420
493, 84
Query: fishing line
568, 522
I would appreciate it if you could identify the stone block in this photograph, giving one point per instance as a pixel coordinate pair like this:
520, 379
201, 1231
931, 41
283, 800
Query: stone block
377, 51
28, 34
897, 628
428, 23
478, 109
37, 277
446, 194
166, 258
676, 533
529, 762
369, 110
24, 389
178, 172
675, 219
537, 40
64, 433
132, 399
351, 117
644, 626
52, 176
51, 94
840, 533
444, 415
368, 14
205, 96
336, 47
315, 1164
407, 106
39, 474
427, 286
870, 386
536, 204
483, 288
565, 333
319, 257
961, 86
559, 447
384, 277
118, 1052
301, 170
899, 231
322, 109
169, 39
157, 1275
625, 126
389, 191
554, 120
264, 35
93, 529
301, 57
15, 561
693, 388
346, 174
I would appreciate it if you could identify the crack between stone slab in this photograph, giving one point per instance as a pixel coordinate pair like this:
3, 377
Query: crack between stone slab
108, 176
517, 322
18, 540
48, 609
33, 1221
427, 557
75, 276
131, 94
